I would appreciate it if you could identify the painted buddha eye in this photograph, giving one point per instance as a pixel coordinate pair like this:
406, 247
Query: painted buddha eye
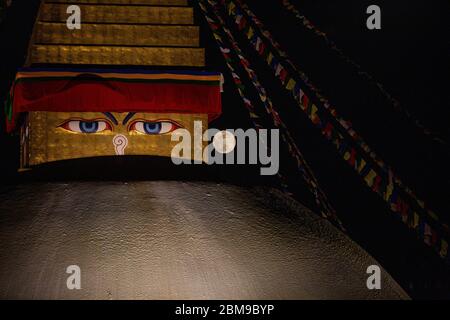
86, 126
153, 127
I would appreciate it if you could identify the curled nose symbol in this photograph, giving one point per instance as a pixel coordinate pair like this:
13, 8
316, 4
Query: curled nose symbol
120, 142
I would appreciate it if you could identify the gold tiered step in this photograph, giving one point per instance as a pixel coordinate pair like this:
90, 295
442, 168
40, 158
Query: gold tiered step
57, 12
131, 2
118, 55
115, 34
118, 32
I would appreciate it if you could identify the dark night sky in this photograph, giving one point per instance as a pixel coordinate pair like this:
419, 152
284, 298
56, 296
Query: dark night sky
409, 57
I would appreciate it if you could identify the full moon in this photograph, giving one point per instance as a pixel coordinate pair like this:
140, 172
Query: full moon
224, 141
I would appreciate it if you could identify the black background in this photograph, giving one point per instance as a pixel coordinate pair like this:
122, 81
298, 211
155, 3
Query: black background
409, 56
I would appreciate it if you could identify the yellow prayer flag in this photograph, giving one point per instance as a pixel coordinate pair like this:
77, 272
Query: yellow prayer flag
389, 190
250, 33
270, 58
291, 84
361, 165
444, 248
370, 177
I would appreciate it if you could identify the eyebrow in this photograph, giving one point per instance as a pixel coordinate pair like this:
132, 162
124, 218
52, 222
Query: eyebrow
111, 117
128, 117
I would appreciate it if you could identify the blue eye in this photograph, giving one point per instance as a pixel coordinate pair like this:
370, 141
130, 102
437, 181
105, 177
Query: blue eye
89, 127
152, 127
86, 126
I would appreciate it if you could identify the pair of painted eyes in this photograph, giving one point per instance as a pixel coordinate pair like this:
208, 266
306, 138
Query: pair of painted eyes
97, 126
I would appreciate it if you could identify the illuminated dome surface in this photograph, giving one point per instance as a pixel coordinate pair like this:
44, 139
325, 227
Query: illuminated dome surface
175, 240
